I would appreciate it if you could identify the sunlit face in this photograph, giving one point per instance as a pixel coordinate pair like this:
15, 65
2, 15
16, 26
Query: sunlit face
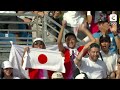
94, 53
71, 41
105, 46
39, 44
7, 71
105, 26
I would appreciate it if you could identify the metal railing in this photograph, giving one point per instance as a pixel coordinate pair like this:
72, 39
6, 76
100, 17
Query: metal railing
46, 18
45, 25
3, 42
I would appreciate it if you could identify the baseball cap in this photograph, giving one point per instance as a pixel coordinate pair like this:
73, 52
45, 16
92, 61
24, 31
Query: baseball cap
57, 75
6, 64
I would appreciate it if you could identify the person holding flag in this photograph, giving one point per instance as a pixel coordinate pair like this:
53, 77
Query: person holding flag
36, 73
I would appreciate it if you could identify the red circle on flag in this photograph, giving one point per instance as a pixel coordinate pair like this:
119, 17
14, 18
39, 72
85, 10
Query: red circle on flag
42, 58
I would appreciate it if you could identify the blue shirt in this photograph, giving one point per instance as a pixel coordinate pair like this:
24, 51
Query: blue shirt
113, 47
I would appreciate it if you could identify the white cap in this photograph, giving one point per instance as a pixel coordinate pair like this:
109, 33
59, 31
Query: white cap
38, 39
57, 75
80, 76
6, 64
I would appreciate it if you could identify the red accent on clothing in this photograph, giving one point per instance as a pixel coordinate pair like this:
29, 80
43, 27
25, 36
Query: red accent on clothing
80, 48
94, 27
67, 63
50, 74
33, 73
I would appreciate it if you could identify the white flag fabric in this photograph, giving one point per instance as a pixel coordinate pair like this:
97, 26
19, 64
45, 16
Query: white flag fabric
15, 58
44, 59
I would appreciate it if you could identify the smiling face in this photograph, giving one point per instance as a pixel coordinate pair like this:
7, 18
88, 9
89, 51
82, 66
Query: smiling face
71, 41
94, 53
8, 72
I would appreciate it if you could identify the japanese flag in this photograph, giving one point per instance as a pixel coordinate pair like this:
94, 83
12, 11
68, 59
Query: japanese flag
44, 59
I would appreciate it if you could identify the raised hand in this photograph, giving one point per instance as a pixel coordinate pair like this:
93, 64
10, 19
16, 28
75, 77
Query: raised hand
26, 49
113, 28
64, 23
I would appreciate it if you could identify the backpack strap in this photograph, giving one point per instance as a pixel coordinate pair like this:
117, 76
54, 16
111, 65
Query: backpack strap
101, 56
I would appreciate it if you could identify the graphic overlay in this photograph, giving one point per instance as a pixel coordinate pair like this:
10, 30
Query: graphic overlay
113, 19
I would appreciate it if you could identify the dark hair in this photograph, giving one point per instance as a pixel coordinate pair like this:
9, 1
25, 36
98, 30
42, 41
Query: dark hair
103, 21
38, 42
70, 34
104, 38
94, 45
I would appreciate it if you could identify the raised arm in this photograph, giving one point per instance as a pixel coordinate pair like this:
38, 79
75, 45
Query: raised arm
89, 17
78, 59
60, 36
83, 28
117, 39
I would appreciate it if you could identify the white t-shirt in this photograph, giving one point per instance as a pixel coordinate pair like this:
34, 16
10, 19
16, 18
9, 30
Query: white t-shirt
94, 70
73, 18
110, 60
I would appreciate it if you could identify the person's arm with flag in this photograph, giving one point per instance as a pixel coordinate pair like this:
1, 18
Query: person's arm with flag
25, 50
36, 73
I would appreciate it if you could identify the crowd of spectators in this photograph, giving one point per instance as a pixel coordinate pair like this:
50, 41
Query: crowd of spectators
98, 58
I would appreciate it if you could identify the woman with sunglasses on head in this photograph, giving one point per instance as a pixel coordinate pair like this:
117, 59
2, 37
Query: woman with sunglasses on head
116, 74
37, 73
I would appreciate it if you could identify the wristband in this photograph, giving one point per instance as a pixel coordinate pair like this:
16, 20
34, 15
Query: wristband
88, 12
